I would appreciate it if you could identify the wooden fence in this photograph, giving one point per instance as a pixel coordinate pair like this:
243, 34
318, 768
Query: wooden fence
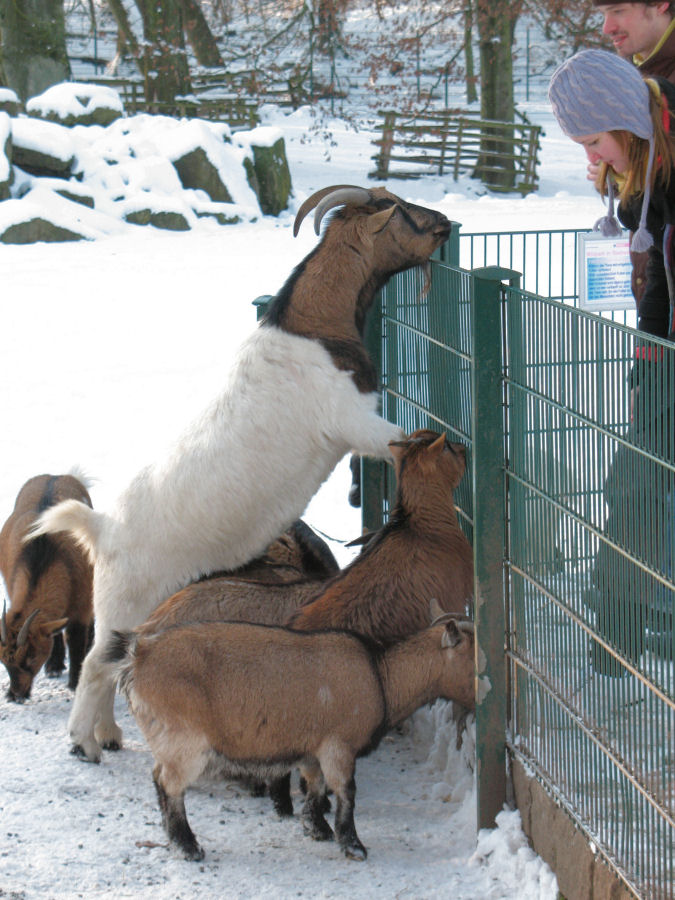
504, 155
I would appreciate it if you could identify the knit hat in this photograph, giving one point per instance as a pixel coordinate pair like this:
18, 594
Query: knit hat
597, 91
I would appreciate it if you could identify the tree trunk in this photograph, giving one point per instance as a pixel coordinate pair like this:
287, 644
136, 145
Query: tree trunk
496, 23
126, 39
163, 61
199, 34
32, 45
470, 71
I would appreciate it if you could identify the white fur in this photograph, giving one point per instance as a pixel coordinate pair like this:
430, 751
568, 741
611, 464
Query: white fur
232, 483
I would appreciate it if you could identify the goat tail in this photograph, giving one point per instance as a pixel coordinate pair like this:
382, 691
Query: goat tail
83, 523
119, 652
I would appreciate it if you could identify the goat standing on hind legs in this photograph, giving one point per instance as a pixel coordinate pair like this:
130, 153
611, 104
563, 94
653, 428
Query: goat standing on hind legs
301, 394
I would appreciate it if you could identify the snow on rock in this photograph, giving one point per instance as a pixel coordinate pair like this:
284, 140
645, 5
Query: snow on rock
5, 155
70, 103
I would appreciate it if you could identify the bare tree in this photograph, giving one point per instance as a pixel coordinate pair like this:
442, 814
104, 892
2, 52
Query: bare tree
163, 61
32, 45
199, 34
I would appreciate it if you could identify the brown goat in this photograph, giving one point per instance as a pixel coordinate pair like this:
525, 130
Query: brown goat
420, 554
49, 583
257, 700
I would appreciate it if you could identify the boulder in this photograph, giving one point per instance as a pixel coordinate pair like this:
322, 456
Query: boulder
71, 103
166, 219
268, 173
37, 229
42, 148
9, 102
196, 171
5, 156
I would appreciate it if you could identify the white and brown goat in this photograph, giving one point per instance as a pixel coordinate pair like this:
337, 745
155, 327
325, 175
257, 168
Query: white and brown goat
49, 584
301, 394
257, 700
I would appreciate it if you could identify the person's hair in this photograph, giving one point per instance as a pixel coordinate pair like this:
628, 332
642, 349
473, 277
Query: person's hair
638, 149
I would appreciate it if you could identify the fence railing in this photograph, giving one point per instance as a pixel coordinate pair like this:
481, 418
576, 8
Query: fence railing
504, 155
571, 508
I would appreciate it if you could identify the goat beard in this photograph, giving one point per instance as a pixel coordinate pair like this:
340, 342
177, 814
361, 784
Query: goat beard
425, 270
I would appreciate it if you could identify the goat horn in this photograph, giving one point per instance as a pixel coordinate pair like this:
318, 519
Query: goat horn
3, 625
22, 636
360, 195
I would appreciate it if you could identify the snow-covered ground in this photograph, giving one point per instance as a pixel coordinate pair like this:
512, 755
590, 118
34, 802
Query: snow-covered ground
107, 348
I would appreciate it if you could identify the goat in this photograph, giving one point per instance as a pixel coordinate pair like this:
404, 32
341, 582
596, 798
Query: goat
302, 389
49, 584
384, 593
256, 700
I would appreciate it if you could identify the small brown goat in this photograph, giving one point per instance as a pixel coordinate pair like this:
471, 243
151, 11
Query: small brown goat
49, 583
258, 700
420, 554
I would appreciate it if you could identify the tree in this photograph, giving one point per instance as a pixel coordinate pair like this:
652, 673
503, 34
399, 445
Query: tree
163, 62
496, 21
199, 34
32, 45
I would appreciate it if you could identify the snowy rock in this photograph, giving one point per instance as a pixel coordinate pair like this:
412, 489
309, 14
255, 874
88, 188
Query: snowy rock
5, 155
37, 229
77, 104
195, 170
9, 102
42, 148
268, 174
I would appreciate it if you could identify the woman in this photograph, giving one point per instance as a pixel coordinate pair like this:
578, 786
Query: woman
626, 126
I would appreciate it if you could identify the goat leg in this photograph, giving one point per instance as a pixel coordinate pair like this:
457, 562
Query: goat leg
57, 657
345, 830
313, 822
176, 825
77, 638
280, 794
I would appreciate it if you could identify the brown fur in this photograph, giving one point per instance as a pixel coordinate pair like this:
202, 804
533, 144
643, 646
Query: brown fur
384, 593
49, 574
265, 699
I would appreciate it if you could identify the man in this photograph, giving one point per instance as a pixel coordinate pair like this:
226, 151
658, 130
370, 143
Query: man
642, 32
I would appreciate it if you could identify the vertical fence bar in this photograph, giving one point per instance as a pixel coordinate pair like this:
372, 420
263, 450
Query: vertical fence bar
489, 540
373, 472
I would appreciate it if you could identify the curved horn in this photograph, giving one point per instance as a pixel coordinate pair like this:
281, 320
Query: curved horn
357, 196
3, 625
316, 197
22, 636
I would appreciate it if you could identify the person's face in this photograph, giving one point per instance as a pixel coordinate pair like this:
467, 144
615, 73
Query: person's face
603, 147
635, 27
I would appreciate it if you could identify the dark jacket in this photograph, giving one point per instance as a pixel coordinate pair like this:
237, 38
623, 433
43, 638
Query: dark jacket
662, 64
656, 307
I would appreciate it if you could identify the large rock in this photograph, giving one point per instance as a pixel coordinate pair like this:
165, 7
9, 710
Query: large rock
9, 102
5, 155
268, 173
70, 103
37, 229
196, 171
42, 148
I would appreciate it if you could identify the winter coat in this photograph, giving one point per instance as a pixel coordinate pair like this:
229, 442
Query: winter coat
656, 309
662, 64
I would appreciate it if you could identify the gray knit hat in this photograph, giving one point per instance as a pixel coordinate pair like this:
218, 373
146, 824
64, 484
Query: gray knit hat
597, 91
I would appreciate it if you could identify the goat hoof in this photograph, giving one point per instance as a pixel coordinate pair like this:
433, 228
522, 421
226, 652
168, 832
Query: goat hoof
192, 852
355, 851
318, 831
79, 751
112, 745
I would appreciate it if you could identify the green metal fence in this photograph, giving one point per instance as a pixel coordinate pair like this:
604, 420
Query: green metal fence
570, 505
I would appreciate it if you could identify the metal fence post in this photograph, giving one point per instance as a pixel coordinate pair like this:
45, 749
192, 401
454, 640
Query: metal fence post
489, 539
373, 471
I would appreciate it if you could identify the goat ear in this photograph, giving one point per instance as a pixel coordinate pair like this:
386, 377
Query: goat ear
397, 449
55, 626
435, 609
379, 220
451, 636
438, 445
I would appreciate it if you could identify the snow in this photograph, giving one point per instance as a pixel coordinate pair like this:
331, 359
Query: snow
109, 346
73, 99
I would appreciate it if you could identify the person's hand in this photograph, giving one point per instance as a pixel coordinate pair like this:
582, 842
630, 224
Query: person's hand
592, 171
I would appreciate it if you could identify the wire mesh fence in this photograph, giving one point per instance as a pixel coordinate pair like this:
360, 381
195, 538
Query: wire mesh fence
585, 500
